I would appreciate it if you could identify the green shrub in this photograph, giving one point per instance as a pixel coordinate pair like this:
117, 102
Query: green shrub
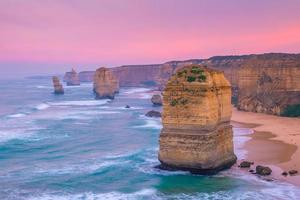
291, 111
191, 78
202, 78
196, 70
174, 102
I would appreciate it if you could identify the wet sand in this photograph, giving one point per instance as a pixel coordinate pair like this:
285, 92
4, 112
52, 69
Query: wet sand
275, 142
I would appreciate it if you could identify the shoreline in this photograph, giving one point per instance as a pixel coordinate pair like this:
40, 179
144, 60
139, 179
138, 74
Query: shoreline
275, 142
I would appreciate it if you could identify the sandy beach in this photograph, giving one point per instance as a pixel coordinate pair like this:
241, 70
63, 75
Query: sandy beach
275, 142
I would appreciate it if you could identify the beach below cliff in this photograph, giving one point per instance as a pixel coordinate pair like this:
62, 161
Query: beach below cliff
274, 142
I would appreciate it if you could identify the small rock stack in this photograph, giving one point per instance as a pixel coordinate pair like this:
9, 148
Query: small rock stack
105, 84
58, 88
72, 78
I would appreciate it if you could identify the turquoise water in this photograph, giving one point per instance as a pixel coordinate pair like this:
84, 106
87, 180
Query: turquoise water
74, 147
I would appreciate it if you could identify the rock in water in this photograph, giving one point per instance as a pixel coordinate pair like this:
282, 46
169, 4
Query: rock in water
156, 100
72, 78
263, 171
105, 84
245, 164
58, 88
153, 113
196, 134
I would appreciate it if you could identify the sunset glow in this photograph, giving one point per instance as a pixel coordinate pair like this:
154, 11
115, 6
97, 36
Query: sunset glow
53, 35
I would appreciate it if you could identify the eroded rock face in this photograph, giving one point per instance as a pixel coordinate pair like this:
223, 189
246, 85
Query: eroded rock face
196, 134
105, 84
71, 78
156, 100
58, 88
269, 85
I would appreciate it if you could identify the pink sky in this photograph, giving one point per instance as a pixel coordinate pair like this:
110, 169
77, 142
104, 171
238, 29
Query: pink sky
51, 36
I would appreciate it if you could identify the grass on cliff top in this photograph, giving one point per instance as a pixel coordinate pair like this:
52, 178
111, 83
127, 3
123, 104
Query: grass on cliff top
195, 74
291, 111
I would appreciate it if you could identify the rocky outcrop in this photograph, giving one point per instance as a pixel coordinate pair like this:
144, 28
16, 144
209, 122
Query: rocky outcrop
58, 88
105, 84
153, 113
156, 100
263, 170
71, 78
196, 134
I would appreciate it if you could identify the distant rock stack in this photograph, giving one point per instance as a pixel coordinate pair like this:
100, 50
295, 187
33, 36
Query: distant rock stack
156, 100
105, 84
71, 78
196, 134
58, 88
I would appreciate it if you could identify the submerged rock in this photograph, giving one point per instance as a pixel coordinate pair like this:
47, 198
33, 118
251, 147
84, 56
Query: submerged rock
72, 78
263, 171
58, 88
156, 100
196, 134
105, 84
153, 113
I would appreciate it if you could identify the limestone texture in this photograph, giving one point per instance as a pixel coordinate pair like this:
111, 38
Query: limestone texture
106, 84
196, 134
71, 78
58, 88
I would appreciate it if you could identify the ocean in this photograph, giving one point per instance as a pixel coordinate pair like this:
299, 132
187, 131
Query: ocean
72, 147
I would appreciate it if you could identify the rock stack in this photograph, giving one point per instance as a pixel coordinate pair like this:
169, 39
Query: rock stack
72, 78
196, 134
58, 88
105, 84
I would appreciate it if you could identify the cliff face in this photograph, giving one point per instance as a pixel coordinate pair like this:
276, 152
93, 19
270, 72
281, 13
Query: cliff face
196, 134
58, 88
105, 84
269, 84
71, 78
86, 76
136, 75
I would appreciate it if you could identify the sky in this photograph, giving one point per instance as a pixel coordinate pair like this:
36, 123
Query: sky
52, 36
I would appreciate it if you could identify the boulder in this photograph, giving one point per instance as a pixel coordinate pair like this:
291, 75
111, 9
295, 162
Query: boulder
284, 173
263, 170
196, 135
105, 84
153, 113
58, 88
245, 164
293, 172
156, 100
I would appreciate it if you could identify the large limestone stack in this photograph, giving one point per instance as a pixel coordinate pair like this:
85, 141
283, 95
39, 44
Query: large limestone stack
105, 84
58, 88
196, 134
72, 78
